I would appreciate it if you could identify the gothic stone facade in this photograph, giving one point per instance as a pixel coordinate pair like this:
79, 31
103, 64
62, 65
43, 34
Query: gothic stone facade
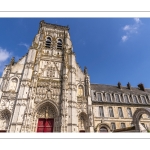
46, 91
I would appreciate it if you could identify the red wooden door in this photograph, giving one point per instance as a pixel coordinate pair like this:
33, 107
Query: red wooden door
2, 130
82, 130
45, 125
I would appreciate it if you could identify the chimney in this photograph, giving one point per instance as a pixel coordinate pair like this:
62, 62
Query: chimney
129, 86
141, 86
119, 85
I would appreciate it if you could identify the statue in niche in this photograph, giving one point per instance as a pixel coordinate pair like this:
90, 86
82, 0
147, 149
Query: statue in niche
12, 61
82, 122
80, 90
49, 94
46, 113
13, 84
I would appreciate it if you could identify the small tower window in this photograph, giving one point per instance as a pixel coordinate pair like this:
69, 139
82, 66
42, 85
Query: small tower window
59, 44
48, 42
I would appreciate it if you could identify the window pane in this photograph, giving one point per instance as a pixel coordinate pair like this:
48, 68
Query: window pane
123, 125
108, 97
99, 97
120, 112
126, 99
111, 114
101, 111
135, 99
129, 112
117, 98
143, 100
113, 126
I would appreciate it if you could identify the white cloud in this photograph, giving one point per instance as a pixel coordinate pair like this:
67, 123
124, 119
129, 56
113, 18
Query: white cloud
131, 29
4, 55
24, 44
137, 20
124, 38
127, 27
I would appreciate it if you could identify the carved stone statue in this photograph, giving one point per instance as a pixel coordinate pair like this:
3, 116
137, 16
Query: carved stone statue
12, 61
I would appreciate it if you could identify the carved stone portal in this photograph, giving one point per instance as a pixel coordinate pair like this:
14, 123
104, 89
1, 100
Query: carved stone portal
4, 119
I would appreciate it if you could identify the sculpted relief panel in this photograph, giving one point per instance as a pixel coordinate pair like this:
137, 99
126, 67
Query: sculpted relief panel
47, 90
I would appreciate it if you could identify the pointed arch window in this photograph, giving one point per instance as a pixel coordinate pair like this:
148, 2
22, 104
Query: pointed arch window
59, 44
48, 42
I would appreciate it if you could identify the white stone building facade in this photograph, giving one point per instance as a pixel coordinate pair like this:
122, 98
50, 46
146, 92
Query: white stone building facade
39, 92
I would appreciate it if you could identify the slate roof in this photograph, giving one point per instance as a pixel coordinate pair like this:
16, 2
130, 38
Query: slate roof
115, 89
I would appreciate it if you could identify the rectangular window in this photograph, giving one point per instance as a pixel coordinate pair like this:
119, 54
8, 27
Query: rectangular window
123, 125
101, 111
111, 113
99, 97
113, 126
129, 112
120, 112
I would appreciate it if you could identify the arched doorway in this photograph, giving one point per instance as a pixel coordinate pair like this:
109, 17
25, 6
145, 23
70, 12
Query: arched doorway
47, 118
137, 116
103, 129
4, 120
83, 122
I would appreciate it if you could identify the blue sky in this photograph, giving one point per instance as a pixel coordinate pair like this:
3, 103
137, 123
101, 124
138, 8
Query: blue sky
113, 49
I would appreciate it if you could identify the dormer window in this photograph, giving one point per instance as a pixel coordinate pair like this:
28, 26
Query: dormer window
48, 42
126, 99
143, 99
135, 99
108, 97
59, 44
117, 98
99, 97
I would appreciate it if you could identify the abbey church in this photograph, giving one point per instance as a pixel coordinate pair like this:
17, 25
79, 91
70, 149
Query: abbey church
46, 91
